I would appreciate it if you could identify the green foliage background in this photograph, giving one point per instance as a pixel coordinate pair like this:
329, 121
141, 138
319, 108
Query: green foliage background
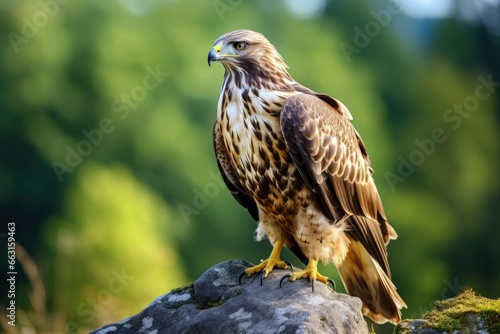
147, 199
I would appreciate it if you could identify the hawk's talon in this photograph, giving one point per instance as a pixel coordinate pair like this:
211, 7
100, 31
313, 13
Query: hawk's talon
265, 267
289, 264
283, 278
311, 272
241, 276
244, 274
334, 286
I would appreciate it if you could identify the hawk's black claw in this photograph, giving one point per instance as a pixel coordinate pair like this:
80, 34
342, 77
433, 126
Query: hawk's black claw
329, 280
334, 286
282, 278
241, 276
289, 264
244, 273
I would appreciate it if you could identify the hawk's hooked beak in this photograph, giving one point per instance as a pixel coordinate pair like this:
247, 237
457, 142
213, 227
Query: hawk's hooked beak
214, 54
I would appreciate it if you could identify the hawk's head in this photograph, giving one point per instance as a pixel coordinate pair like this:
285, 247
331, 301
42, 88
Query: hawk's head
247, 51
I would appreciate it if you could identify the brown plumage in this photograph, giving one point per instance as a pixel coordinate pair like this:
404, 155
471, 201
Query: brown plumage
292, 158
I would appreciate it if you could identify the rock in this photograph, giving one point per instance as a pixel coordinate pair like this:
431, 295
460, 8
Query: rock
217, 303
464, 314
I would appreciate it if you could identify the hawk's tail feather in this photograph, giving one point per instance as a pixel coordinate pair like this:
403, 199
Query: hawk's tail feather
363, 277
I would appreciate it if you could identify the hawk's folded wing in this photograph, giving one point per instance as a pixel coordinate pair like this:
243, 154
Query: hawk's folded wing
229, 176
333, 161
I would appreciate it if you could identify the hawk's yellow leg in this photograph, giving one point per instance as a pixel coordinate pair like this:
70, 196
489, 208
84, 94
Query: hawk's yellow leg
311, 272
268, 265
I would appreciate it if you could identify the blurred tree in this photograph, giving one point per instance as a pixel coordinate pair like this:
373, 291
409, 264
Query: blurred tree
108, 249
105, 133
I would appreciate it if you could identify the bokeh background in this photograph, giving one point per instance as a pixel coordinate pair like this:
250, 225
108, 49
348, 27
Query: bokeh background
107, 167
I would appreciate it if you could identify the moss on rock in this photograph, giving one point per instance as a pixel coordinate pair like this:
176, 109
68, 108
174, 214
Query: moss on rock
457, 313
466, 313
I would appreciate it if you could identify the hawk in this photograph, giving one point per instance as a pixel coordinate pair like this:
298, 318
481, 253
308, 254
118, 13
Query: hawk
293, 159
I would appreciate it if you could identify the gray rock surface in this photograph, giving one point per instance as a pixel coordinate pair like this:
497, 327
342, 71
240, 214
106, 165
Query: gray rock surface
217, 303
474, 324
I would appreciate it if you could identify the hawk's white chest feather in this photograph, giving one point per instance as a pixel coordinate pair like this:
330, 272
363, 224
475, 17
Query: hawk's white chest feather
243, 123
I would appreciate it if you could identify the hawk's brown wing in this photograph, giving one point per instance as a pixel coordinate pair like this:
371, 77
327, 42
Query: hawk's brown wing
229, 176
333, 161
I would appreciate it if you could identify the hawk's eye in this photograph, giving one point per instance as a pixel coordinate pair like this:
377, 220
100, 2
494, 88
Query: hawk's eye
240, 46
